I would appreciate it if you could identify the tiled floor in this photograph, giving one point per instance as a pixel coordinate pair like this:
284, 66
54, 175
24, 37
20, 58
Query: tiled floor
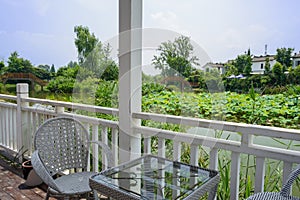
11, 187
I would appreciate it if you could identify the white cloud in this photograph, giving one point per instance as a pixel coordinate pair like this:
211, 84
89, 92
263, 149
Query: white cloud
165, 17
169, 20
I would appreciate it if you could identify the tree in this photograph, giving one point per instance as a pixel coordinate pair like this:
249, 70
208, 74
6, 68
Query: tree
45, 67
278, 74
111, 71
2, 65
94, 55
16, 64
230, 69
267, 66
83, 74
61, 85
52, 69
213, 81
243, 63
84, 41
72, 64
176, 58
297, 74
64, 80
68, 72
41, 73
197, 78
100, 63
283, 56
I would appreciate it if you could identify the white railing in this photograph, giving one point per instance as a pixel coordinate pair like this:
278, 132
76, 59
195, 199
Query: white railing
246, 145
16, 133
21, 118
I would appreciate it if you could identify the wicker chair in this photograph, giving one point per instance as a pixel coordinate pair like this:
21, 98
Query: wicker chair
62, 144
284, 194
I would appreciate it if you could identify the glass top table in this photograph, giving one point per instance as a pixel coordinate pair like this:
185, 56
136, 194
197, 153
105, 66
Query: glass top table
152, 177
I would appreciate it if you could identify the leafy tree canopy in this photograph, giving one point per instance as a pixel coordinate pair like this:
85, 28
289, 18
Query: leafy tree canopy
283, 56
21, 65
93, 55
230, 70
45, 67
52, 69
84, 41
2, 65
267, 66
16, 64
176, 58
100, 63
278, 73
243, 63
68, 72
41, 73
297, 74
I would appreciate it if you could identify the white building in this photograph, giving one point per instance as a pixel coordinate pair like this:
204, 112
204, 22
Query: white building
218, 66
296, 59
259, 63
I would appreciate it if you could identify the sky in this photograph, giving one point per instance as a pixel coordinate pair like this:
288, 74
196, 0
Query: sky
42, 31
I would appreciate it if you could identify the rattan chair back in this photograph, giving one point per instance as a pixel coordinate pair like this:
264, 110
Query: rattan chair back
62, 144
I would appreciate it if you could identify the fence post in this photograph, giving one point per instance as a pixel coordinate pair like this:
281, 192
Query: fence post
59, 110
22, 92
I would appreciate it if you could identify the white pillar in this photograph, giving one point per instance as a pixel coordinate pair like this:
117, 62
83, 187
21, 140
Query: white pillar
22, 92
130, 77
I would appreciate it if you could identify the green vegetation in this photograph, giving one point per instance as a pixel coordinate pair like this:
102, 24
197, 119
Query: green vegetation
280, 110
176, 58
270, 99
283, 56
282, 73
17, 64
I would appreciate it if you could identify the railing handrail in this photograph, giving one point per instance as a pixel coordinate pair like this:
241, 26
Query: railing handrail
218, 143
85, 107
8, 97
34, 115
291, 134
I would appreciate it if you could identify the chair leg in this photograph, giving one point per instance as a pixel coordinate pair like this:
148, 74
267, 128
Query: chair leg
95, 194
213, 193
47, 195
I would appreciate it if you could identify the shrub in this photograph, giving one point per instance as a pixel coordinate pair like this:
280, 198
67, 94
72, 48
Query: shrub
61, 85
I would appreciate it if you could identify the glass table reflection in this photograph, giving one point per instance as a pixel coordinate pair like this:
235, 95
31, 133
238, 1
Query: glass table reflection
152, 177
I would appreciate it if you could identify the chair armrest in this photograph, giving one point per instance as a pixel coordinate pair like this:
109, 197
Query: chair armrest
41, 171
106, 150
285, 191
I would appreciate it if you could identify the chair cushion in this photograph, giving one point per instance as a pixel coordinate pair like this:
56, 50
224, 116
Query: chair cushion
75, 183
271, 196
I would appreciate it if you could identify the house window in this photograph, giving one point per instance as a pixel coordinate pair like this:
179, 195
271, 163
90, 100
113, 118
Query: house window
298, 63
261, 65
